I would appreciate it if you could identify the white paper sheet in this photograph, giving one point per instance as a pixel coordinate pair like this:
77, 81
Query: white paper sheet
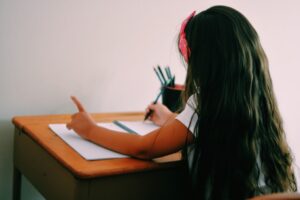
91, 151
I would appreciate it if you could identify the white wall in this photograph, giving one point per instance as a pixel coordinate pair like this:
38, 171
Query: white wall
104, 51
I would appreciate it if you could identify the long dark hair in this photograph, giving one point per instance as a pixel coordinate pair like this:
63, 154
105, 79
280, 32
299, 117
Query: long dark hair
239, 132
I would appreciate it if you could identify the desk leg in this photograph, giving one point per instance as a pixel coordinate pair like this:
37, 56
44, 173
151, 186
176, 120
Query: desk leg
17, 181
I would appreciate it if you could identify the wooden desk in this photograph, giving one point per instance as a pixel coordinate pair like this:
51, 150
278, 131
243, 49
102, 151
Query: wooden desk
58, 172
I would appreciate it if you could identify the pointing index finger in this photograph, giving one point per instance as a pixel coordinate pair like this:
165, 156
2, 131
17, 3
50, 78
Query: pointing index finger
78, 104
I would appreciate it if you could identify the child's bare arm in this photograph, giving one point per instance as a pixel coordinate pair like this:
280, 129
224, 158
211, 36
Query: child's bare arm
168, 139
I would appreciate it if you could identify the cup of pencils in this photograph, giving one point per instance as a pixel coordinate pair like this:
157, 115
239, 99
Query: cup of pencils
171, 92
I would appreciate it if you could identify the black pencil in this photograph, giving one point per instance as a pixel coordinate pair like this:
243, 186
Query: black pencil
162, 74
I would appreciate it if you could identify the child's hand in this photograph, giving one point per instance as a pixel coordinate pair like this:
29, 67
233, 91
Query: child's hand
161, 114
82, 122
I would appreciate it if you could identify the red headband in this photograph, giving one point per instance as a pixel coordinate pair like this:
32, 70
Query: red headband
183, 45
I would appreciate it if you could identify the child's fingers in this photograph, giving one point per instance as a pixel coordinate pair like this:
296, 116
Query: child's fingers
152, 107
78, 104
69, 126
149, 108
151, 118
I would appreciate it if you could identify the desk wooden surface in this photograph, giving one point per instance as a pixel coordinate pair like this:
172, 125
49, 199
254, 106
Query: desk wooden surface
37, 128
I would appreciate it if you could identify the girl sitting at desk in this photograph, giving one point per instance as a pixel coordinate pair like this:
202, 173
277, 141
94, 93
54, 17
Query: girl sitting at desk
230, 127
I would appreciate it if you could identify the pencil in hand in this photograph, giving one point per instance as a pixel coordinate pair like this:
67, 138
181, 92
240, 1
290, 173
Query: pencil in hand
148, 114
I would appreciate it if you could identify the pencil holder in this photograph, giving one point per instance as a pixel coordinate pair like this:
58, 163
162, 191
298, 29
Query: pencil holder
171, 97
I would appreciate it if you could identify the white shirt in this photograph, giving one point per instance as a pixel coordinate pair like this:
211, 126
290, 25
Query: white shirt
188, 117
